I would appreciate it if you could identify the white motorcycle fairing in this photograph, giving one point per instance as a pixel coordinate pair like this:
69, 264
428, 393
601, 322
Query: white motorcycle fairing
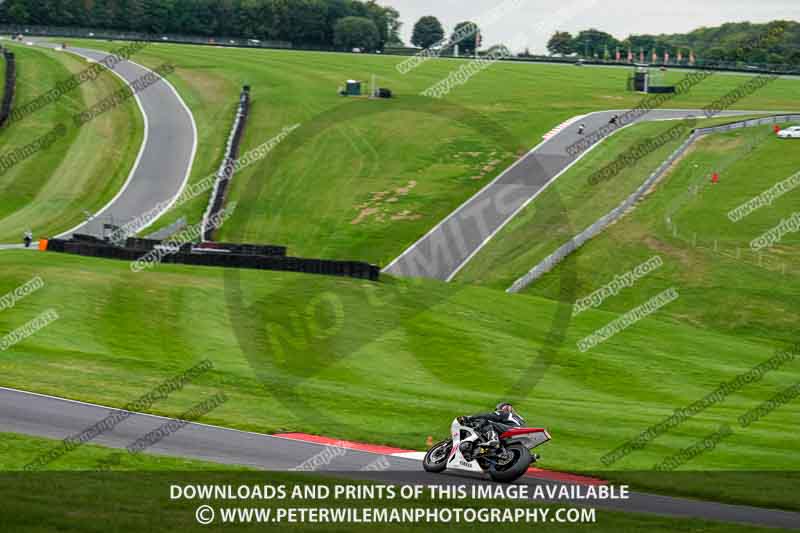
460, 434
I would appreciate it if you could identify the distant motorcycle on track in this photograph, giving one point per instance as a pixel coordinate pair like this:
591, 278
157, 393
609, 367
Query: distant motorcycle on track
465, 450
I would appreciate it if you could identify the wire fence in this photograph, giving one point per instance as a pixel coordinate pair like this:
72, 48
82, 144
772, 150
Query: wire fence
615, 214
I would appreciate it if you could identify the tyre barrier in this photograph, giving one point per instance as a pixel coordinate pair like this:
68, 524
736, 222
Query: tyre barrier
9, 86
225, 255
85, 237
226, 169
142, 245
240, 249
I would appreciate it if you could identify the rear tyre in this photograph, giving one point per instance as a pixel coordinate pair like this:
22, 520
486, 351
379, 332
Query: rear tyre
513, 469
436, 459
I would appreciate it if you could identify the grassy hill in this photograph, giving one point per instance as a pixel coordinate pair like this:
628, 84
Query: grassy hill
570, 205
724, 285
388, 363
364, 179
83, 169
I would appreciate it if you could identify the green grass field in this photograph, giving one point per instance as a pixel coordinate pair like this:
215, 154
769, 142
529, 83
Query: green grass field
364, 179
17, 450
135, 496
394, 362
570, 204
388, 363
746, 297
49, 191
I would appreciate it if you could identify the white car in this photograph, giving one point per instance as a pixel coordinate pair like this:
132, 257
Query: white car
790, 133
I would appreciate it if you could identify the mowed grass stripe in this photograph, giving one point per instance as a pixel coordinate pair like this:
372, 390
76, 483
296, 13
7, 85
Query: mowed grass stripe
392, 371
49, 192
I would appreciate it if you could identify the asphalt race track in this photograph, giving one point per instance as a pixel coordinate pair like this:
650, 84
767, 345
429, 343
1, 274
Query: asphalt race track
45, 416
165, 158
443, 251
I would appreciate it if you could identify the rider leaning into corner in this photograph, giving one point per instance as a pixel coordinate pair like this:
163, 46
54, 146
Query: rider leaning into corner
491, 425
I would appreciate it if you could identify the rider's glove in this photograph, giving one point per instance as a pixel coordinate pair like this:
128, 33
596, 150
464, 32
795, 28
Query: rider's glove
463, 420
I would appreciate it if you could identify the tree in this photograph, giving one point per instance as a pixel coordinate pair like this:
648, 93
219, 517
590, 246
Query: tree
157, 14
382, 17
636, 42
561, 43
131, 17
61, 12
356, 32
393, 21
427, 32
101, 14
464, 35
593, 42
307, 22
716, 54
18, 12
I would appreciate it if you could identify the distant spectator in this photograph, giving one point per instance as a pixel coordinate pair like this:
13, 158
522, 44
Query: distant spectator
28, 238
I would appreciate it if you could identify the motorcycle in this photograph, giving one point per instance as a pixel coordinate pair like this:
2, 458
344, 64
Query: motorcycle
464, 450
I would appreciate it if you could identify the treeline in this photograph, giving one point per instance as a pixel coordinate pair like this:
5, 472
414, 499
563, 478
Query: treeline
296, 21
776, 42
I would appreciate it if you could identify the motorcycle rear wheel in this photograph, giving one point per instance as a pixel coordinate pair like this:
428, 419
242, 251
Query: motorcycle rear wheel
515, 468
436, 459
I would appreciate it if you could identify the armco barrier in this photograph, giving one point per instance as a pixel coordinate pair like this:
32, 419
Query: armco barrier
240, 256
9, 86
578, 240
226, 169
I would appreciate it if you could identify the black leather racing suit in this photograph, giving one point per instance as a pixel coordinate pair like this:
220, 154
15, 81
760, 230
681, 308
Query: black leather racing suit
497, 420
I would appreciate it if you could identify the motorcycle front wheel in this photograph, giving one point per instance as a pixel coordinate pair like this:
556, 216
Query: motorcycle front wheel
514, 468
436, 459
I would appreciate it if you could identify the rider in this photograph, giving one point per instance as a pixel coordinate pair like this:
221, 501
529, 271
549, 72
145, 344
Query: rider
502, 419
